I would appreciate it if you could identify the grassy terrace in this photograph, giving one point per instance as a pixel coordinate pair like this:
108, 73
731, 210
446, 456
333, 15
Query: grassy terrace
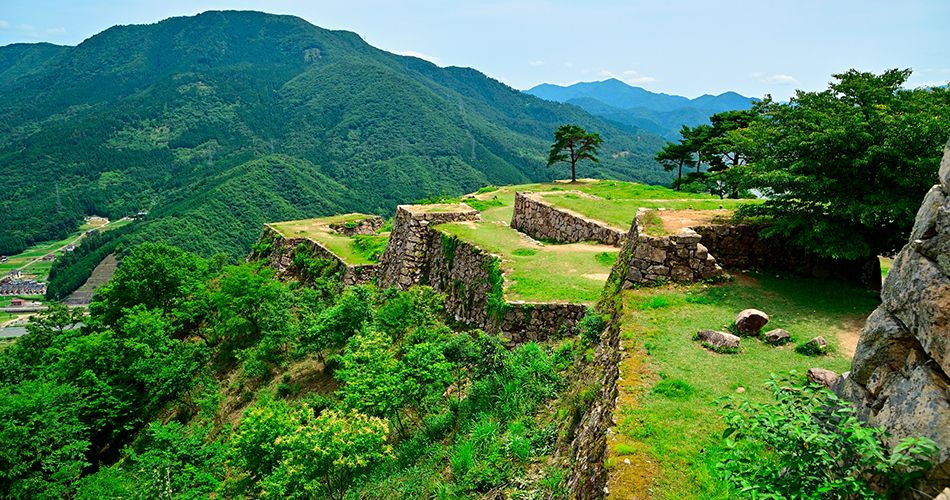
669, 383
573, 272
319, 230
620, 200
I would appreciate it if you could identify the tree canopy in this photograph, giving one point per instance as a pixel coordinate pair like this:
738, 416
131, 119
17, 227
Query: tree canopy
572, 144
845, 169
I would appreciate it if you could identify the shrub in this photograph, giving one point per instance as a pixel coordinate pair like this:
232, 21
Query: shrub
591, 326
524, 252
806, 444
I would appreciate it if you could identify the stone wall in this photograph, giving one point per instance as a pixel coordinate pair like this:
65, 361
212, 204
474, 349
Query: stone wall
539, 219
899, 373
473, 287
367, 226
646, 259
401, 264
283, 249
742, 246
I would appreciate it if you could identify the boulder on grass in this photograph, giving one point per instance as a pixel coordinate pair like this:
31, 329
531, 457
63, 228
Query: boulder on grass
719, 340
777, 336
821, 376
751, 321
818, 344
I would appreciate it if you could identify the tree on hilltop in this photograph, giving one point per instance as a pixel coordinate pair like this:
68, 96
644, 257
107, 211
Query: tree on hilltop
572, 144
845, 169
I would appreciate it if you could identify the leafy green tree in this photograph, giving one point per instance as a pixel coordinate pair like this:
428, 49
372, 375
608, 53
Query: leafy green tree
676, 156
155, 275
572, 144
326, 454
845, 169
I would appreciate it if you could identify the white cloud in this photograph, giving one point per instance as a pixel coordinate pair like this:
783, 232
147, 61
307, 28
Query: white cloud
757, 74
633, 77
30, 31
535, 64
412, 53
569, 65
781, 80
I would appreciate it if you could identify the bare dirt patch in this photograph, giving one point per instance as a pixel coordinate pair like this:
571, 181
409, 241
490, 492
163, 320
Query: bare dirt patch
578, 248
597, 276
850, 333
675, 221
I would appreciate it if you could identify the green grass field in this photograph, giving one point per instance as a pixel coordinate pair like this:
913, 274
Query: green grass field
573, 272
319, 230
667, 412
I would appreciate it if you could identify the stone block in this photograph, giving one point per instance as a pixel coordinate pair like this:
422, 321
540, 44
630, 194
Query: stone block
821, 376
719, 339
681, 273
751, 321
944, 172
917, 293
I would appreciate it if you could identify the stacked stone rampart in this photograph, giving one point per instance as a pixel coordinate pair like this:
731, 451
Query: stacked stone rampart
402, 263
283, 250
367, 226
463, 272
741, 246
899, 373
646, 259
539, 219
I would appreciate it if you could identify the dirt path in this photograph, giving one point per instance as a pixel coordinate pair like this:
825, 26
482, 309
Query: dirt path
675, 221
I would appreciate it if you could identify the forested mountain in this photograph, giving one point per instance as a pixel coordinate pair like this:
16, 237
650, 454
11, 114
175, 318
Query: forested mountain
219, 122
661, 114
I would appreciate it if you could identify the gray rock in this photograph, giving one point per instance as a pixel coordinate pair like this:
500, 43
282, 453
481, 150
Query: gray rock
751, 321
945, 169
719, 339
819, 342
821, 376
777, 336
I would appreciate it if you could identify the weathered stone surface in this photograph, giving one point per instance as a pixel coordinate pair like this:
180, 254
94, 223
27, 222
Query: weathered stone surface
821, 376
536, 217
751, 321
719, 339
898, 378
884, 344
945, 169
819, 343
366, 226
645, 259
741, 246
917, 293
777, 336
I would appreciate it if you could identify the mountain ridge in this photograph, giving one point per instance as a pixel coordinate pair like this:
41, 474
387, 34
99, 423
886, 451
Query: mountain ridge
145, 116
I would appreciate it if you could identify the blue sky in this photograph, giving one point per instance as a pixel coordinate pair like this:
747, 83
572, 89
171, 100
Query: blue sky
683, 47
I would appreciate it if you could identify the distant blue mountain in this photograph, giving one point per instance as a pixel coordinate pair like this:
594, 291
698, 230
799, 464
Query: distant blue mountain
662, 114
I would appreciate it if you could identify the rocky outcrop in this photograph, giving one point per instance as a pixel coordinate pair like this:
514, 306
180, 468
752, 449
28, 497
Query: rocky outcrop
646, 259
281, 251
402, 262
366, 226
899, 374
741, 246
539, 219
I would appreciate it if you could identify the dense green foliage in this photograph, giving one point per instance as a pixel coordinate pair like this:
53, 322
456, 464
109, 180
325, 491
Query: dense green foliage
845, 169
72, 269
220, 122
339, 393
805, 446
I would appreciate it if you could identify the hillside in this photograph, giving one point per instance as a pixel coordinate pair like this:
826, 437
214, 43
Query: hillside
170, 117
661, 114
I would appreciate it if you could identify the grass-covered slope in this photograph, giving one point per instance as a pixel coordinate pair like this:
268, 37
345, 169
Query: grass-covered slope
140, 117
